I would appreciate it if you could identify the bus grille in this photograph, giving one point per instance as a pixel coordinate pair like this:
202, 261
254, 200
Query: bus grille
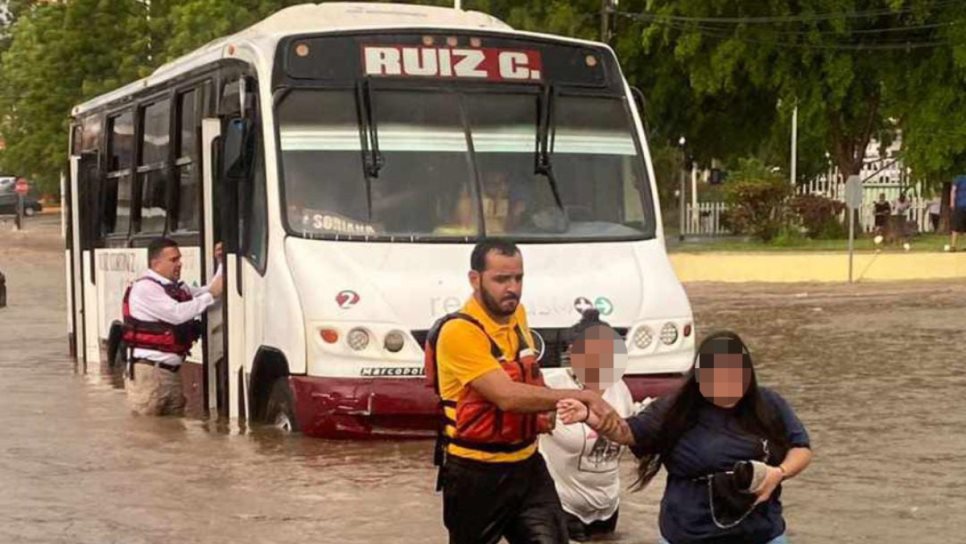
555, 355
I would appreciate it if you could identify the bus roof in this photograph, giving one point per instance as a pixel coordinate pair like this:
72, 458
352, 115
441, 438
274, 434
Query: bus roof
304, 19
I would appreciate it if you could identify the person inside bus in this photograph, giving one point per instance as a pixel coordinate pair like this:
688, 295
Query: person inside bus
505, 205
496, 205
726, 444
584, 465
461, 221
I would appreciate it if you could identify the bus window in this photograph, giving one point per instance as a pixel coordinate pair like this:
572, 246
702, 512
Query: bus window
76, 136
90, 137
256, 226
422, 189
188, 188
116, 197
152, 166
598, 173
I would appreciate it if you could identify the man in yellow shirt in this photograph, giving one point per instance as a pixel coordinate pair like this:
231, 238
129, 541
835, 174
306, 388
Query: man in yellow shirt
494, 486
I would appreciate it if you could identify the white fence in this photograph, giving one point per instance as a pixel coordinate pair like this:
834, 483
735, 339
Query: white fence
706, 219
835, 189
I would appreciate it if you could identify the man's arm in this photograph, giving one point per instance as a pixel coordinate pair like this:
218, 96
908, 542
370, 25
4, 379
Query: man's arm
510, 396
149, 300
217, 280
616, 429
952, 197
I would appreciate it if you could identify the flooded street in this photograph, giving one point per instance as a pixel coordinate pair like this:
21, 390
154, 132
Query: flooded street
874, 371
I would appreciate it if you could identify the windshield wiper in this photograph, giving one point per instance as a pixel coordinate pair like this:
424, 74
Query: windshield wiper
546, 136
372, 159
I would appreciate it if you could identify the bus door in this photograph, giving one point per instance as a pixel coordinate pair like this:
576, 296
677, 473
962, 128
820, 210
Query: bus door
83, 212
74, 281
216, 341
242, 207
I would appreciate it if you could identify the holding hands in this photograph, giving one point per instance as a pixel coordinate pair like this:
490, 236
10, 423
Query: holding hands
589, 409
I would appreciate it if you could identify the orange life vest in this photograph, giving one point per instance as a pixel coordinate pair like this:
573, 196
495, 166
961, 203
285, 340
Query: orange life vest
479, 424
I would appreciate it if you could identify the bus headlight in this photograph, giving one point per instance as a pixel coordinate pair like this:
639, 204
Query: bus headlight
358, 339
643, 337
394, 342
669, 334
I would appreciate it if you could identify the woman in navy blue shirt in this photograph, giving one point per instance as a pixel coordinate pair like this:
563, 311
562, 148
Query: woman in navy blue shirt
719, 417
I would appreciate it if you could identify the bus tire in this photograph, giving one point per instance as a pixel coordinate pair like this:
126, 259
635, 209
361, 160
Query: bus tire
119, 359
280, 410
116, 351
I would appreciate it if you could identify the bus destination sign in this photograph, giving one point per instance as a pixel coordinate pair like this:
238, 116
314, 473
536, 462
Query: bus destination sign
485, 63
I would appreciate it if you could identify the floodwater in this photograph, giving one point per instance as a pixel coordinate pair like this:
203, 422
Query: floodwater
874, 371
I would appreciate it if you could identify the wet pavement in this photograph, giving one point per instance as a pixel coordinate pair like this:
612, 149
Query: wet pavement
874, 371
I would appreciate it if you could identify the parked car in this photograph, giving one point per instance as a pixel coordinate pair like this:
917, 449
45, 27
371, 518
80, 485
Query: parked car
8, 204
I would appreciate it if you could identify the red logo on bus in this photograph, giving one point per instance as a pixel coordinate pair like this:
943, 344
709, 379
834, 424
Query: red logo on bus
489, 64
347, 299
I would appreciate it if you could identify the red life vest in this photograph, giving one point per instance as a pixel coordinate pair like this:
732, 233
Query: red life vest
160, 335
480, 425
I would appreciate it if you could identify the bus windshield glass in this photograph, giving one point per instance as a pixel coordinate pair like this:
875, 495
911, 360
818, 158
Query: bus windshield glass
460, 165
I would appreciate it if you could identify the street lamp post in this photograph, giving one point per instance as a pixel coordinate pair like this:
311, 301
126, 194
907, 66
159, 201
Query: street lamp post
682, 141
793, 167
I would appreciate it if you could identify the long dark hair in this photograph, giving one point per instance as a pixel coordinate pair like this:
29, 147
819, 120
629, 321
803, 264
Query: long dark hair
753, 414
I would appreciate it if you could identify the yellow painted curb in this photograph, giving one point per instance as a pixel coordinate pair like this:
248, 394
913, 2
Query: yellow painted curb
816, 266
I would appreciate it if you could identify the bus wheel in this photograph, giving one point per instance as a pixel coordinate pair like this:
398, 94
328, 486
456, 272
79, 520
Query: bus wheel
280, 410
119, 360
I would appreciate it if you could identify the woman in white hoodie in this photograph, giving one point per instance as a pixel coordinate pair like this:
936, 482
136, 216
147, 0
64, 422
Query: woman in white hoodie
583, 464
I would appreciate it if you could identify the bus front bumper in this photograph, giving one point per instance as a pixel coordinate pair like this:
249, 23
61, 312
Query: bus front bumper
365, 407
356, 408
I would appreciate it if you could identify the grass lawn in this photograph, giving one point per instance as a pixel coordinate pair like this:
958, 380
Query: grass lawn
921, 243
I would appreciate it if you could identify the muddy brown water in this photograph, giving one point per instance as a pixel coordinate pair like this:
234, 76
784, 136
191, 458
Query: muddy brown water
875, 371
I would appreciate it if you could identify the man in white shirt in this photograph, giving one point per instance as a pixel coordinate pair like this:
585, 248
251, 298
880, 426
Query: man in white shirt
161, 322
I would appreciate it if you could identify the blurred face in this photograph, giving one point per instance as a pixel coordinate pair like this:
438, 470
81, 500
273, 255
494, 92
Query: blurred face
464, 211
168, 263
500, 285
497, 184
723, 379
598, 359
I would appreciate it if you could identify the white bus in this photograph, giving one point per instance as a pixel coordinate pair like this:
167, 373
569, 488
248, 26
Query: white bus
349, 156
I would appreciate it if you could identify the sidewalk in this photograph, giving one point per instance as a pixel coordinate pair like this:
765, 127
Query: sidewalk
814, 266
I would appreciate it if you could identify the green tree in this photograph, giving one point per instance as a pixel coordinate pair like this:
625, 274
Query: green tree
837, 60
59, 55
193, 23
928, 103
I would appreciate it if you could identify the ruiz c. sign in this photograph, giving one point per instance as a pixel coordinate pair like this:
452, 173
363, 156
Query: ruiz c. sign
486, 63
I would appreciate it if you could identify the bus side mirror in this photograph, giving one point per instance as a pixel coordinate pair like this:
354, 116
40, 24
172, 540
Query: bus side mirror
236, 150
641, 107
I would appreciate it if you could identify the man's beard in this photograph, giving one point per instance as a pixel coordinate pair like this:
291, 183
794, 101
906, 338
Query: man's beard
493, 306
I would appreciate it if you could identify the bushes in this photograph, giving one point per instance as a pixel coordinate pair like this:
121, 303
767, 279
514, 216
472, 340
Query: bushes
762, 204
819, 216
756, 197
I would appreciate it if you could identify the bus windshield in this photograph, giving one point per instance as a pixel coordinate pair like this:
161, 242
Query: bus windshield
459, 165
